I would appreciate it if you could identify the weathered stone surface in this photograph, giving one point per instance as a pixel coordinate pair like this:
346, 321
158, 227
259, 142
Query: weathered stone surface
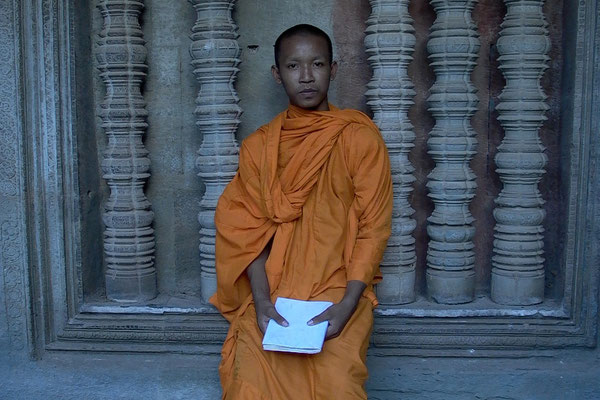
13, 234
128, 237
172, 140
390, 44
215, 56
518, 263
489, 82
63, 319
453, 48
74, 376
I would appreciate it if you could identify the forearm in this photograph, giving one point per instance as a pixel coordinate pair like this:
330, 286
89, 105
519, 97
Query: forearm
261, 293
354, 290
258, 277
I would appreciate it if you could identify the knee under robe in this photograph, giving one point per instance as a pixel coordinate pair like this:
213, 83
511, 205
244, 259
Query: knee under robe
317, 185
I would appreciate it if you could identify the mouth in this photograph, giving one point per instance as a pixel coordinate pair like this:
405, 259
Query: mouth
308, 91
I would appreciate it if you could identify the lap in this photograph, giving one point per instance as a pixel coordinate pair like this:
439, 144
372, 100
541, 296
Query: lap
339, 371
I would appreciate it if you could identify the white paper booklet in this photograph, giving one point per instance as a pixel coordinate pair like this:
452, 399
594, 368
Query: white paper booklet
298, 337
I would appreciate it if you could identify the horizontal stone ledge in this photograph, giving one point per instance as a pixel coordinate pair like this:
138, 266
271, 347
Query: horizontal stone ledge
112, 308
482, 306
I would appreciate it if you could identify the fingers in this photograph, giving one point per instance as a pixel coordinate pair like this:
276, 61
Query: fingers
263, 321
332, 314
324, 316
331, 332
273, 314
265, 312
262, 324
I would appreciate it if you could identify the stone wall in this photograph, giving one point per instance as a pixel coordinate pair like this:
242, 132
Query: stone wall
173, 139
53, 195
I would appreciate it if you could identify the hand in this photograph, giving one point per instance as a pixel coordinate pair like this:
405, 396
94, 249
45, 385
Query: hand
265, 311
338, 316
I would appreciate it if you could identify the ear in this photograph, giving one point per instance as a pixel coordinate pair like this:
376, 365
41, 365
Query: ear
334, 68
275, 72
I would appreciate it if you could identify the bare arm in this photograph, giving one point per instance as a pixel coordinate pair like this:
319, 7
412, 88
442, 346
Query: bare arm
261, 293
339, 314
258, 276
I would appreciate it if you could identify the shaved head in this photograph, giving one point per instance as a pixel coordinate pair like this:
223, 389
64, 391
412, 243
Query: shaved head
302, 30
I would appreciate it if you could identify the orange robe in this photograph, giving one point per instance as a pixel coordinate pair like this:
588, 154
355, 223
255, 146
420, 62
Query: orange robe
318, 184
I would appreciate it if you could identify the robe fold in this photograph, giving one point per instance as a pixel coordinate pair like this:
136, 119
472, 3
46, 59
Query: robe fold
317, 186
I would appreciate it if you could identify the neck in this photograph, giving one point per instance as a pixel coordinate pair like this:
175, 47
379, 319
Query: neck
324, 106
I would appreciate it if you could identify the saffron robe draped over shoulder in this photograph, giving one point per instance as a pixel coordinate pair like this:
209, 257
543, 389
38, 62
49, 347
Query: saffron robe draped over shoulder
317, 185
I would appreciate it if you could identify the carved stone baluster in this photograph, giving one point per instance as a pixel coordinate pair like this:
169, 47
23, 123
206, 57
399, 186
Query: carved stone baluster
517, 264
128, 237
453, 47
215, 56
390, 43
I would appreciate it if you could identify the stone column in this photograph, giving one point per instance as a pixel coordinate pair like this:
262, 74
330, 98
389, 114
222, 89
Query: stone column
215, 57
517, 264
453, 47
389, 44
128, 237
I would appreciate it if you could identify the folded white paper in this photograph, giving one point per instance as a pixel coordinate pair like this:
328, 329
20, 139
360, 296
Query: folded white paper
298, 337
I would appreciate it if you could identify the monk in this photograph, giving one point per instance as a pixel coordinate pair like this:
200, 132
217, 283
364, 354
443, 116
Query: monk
307, 216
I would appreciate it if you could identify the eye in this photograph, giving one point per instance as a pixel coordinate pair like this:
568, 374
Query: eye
319, 64
292, 66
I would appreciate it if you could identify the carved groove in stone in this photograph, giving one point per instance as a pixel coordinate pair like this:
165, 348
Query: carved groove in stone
389, 44
453, 47
215, 57
517, 264
128, 237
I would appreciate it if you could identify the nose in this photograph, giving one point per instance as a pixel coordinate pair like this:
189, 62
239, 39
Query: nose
306, 75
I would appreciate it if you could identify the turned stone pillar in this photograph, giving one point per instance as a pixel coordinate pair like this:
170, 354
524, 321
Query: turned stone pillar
128, 237
389, 44
517, 264
453, 48
215, 57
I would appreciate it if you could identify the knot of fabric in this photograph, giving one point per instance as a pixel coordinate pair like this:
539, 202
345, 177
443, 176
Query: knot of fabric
284, 207
316, 132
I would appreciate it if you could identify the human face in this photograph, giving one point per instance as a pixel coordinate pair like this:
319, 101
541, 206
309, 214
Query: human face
305, 71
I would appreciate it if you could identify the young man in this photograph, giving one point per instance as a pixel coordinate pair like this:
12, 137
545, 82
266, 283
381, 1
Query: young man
307, 216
